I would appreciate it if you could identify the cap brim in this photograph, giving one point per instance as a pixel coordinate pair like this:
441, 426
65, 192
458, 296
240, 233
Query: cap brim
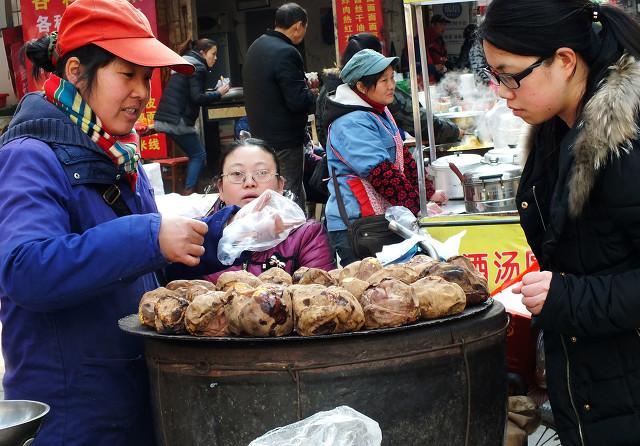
381, 65
147, 52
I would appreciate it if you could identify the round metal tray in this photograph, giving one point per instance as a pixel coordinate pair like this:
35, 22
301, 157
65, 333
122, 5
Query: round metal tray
131, 324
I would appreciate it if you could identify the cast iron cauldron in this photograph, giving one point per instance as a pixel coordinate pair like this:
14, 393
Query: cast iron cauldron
439, 382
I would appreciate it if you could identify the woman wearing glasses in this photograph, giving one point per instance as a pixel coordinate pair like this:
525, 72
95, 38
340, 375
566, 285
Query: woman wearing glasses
248, 169
570, 69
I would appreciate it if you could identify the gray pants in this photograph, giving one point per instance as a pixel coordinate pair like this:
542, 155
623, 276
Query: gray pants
292, 169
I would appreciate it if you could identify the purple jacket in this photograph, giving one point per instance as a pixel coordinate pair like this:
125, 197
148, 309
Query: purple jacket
306, 246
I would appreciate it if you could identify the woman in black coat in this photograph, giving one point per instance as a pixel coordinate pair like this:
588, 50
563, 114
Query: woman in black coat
571, 70
180, 105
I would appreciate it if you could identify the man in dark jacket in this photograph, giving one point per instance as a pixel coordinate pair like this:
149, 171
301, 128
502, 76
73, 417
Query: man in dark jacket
277, 96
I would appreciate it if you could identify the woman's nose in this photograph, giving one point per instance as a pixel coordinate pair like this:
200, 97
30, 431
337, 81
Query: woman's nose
142, 89
505, 92
249, 181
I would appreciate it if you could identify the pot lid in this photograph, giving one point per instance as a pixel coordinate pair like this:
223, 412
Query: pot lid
461, 160
492, 172
503, 155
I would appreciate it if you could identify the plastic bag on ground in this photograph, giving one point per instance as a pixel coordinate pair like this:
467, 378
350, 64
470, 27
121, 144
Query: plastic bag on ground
342, 426
259, 226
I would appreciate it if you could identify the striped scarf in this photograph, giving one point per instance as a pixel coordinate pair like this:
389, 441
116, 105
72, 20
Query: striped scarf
122, 150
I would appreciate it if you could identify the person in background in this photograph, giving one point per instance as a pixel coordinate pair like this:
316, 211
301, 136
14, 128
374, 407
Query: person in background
180, 105
80, 235
469, 35
277, 96
364, 149
401, 108
437, 48
571, 69
248, 169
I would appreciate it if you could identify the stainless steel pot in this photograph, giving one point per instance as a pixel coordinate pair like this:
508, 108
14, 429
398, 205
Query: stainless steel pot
443, 176
491, 187
504, 155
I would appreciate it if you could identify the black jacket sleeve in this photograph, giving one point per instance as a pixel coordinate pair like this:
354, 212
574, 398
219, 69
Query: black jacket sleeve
197, 91
293, 83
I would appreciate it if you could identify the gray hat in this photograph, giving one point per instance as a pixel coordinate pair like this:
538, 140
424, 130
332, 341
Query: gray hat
364, 63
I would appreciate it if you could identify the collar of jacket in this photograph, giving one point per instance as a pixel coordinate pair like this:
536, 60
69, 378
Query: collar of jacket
195, 58
274, 33
606, 129
82, 160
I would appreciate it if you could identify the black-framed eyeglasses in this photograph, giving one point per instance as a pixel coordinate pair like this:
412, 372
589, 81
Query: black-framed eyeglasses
259, 176
512, 81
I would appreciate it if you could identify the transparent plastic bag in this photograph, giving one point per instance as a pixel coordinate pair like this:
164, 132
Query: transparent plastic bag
342, 426
259, 226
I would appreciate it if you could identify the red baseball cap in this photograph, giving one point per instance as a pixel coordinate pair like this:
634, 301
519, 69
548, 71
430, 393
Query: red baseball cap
118, 27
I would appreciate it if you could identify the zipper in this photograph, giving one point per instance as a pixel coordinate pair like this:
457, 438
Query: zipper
573, 404
535, 198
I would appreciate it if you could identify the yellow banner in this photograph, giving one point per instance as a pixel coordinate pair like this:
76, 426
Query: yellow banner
499, 250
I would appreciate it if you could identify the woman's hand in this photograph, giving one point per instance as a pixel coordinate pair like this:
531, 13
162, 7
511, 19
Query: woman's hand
439, 197
534, 288
181, 239
224, 89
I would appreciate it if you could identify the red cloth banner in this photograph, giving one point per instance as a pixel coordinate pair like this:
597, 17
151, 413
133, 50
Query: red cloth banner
41, 17
357, 16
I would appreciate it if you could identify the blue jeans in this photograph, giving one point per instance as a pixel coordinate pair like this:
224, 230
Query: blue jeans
191, 145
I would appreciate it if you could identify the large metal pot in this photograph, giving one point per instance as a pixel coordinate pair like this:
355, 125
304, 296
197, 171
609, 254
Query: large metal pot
436, 382
444, 178
491, 187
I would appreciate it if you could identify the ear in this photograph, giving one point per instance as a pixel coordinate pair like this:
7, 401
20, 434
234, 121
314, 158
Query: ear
72, 71
220, 192
361, 88
568, 60
280, 186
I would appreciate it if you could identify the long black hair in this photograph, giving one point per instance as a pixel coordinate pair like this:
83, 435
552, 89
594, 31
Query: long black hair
199, 45
91, 57
600, 34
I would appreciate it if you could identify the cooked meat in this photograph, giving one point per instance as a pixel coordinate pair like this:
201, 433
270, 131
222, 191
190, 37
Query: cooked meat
390, 303
315, 275
277, 276
473, 283
146, 308
326, 311
265, 311
400, 272
206, 316
439, 298
355, 286
228, 279
169, 312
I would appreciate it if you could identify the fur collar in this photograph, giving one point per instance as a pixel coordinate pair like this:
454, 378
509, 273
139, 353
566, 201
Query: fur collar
607, 129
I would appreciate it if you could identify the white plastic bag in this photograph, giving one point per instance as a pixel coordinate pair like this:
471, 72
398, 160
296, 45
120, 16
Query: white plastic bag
259, 226
342, 426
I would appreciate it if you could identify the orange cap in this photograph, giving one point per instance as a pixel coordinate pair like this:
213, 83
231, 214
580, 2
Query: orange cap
118, 27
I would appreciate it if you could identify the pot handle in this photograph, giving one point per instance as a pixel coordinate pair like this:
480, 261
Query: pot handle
459, 174
490, 177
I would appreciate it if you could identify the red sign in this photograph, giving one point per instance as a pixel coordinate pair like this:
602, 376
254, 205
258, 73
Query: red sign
357, 16
40, 17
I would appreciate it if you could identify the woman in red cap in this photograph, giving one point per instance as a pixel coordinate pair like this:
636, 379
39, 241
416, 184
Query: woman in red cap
81, 237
